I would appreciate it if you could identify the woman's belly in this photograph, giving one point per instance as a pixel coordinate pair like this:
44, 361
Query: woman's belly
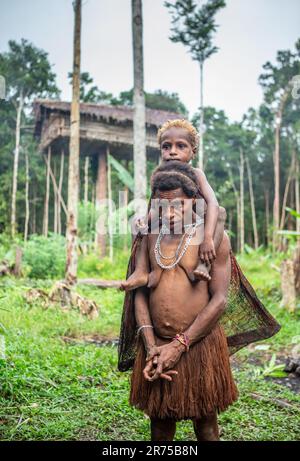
175, 302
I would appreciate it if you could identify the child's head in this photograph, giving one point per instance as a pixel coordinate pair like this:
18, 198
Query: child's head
178, 140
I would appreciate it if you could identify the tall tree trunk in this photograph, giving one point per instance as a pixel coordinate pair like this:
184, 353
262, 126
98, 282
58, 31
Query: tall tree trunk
60, 184
124, 206
276, 161
201, 124
26, 195
110, 223
267, 215
86, 199
34, 210
252, 201
139, 128
286, 189
93, 220
46, 206
238, 214
73, 177
16, 164
242, 206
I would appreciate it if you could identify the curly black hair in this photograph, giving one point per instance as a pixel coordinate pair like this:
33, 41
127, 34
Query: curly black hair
174, 175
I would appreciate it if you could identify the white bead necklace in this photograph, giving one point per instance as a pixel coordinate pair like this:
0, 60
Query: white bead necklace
178, 255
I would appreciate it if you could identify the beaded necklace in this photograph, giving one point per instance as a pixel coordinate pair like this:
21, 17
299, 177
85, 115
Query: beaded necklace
191, 229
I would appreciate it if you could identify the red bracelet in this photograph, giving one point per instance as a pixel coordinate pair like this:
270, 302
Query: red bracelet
183, 339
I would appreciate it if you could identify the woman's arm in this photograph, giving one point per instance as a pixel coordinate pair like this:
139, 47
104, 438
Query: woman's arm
218, 288
143, 317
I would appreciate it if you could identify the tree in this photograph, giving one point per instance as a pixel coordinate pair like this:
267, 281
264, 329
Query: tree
28, 75
74, 151
194, 27
139, 118
90, 93
277, 83
160, 100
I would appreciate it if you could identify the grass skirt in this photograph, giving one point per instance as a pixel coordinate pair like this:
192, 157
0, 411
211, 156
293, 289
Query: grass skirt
204, 383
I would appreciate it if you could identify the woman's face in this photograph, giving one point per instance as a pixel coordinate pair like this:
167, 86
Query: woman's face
176, 145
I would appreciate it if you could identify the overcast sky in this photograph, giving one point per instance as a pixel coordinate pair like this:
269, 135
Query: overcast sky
250, 33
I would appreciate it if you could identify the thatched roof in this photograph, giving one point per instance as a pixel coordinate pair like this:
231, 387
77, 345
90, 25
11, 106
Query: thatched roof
110, 114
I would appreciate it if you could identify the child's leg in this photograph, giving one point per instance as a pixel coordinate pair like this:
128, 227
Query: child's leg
140, 276
202, 270
163, 430
206, 428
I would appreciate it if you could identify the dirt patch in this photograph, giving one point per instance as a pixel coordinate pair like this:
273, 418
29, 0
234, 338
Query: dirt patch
97, 340
259, 359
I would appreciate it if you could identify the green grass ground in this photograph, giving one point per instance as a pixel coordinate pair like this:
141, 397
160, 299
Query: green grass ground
56, 390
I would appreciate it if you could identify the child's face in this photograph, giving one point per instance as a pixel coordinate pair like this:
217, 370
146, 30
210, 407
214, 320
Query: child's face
176, 145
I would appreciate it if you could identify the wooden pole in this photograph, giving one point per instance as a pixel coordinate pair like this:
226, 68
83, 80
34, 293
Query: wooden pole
101, 195
55, 225
86, 179
139, 114
74, 151
242, 200
253, 211
26, 195
46, 206
59, 194
55, 186
110, 224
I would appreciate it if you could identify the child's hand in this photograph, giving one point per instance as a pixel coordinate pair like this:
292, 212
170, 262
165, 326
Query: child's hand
207, 250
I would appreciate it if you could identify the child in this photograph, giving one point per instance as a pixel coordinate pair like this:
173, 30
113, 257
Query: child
178, 141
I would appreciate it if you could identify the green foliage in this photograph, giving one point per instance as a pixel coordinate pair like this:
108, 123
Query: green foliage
195, 25
45, 257
87, 217
123, 174
94, 267
51, 389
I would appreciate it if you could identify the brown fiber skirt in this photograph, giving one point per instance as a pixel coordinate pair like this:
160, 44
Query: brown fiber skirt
204, 383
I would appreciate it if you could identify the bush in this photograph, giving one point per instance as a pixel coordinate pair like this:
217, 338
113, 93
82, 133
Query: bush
92, 266
45, 258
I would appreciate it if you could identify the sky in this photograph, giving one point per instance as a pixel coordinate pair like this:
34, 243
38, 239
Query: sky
250, 33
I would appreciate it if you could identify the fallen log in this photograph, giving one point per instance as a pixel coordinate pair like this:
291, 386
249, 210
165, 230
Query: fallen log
100, 283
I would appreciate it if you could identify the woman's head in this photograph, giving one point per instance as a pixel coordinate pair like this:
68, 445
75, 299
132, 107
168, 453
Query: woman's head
178, 140
174, 192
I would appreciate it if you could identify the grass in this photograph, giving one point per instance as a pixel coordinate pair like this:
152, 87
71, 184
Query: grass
53, 390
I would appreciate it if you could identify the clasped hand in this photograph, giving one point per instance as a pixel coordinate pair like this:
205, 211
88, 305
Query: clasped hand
161, 359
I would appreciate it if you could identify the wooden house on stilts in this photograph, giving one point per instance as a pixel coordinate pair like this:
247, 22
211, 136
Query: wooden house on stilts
104, 130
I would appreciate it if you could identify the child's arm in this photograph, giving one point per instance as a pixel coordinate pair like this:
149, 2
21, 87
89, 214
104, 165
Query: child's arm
207, 247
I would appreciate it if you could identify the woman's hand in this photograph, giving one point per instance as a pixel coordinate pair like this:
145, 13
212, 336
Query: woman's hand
168, 357
150, 370
152, 353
